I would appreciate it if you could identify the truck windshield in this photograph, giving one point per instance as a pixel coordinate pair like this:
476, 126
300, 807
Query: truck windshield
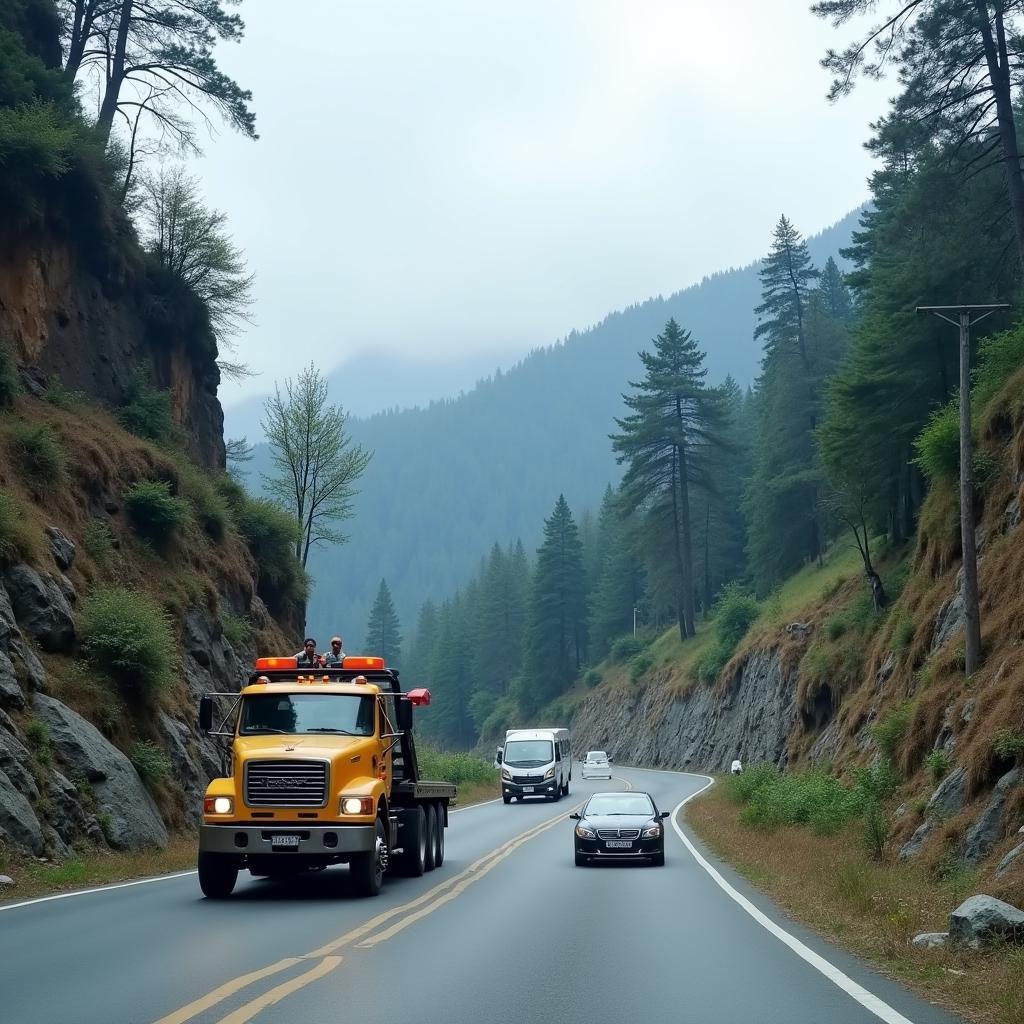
528, 753
290, 713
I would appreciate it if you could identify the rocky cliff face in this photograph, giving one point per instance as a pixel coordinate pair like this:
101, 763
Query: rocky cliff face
61, 319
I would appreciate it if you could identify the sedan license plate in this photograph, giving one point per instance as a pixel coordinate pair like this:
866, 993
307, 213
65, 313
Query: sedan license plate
527, 789
619, 844
284, 842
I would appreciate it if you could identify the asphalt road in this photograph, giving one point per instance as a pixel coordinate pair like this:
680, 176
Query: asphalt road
508, 930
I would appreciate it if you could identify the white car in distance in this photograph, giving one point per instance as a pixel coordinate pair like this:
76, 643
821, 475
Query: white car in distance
596, 765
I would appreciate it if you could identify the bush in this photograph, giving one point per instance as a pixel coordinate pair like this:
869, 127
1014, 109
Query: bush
146, 411
37, 733
237, 630
61, 398
153, 511
735, 613
835, 627
209, 504
150, 762
638, 666
127, 636
456, 768
891, 729
37, 452
937, 763
876, 831
272, 533
1008, 744
98, 542
592, 678
903, 635
937, 447
625, 648
999, 358
10, 385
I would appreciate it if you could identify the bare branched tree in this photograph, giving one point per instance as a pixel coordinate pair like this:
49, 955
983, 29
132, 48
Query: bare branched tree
316, 463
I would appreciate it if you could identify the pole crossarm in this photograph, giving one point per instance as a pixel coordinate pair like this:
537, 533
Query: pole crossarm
985, 309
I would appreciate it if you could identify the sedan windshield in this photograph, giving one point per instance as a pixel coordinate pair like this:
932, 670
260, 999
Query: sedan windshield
620, 803
528, 753
291, 713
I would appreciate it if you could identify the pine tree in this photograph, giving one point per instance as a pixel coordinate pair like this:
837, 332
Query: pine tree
557, 629
383, 631
416, 659
675, 425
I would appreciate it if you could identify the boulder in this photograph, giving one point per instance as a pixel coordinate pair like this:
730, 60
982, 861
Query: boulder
62, 546
950, 796
31, 667
16, 764
19, 825
8, 624
1017, 853
11, 695
930, 940
6, 881
912, 847
70, 817
988, 829
950, 618
40, 607
132, 819
982, 919
189, 765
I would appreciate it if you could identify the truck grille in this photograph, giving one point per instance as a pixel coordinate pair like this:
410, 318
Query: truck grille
286, 783
618, 833
527, 780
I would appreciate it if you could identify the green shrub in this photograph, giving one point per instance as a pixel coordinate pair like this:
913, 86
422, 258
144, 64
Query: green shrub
999, 358
937, 447
890, 730
37, 452
592, 678
835, 627
938, 763
127, 636
153, 511
237, 630
741, 788
734, 614
10, 385
37, 733
876, 831
457, 768
150, 762
624, 648
98, 542
272, 533
211, 509
146, 411
638, 665
1008, 744
903, 635
61, 398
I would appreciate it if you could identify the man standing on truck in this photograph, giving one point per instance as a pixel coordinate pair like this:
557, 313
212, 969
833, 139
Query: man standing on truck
307, 657
335, 657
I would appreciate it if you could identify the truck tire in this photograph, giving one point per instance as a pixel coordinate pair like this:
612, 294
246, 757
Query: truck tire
217, 875
430, 817
439, 845
367, 869
414, 843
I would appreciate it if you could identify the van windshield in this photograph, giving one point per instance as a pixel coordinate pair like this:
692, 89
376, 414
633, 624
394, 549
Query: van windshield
528, 753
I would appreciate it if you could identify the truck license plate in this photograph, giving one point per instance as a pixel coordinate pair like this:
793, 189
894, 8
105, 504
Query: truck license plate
619, 844
284, 842
527, 789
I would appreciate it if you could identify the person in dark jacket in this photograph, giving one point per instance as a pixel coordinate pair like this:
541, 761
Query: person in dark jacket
307, 657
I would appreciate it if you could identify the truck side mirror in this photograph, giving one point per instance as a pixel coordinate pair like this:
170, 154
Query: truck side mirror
403, 714
205, 713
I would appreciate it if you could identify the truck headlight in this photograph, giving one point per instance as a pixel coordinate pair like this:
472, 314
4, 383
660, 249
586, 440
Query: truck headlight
652, 832
357, 805
218, 805
505, 775
584, 832
549, 774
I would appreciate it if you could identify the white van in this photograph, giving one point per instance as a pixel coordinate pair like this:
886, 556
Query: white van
536, 762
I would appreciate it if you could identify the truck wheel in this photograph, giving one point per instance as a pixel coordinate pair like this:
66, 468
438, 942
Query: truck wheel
414, 843
367, 869
430, 817
217, 875
439, 845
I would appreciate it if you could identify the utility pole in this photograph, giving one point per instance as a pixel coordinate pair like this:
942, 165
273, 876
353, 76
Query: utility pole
965, 318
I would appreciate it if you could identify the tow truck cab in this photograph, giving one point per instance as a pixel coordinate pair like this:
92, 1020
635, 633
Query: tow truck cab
319, 768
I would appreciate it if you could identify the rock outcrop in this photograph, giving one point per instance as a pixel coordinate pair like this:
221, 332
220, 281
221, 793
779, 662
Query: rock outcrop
983, 919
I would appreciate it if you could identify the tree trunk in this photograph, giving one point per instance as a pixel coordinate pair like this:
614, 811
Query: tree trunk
999, 76
115, 77
707, 560
681, 577
687, 545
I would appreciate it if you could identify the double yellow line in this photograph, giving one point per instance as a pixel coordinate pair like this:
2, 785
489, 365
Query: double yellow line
366, 936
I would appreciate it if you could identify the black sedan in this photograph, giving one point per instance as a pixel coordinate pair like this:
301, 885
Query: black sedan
619, 826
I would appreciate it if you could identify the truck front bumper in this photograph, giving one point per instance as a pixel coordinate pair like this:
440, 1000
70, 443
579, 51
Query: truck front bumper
258, 840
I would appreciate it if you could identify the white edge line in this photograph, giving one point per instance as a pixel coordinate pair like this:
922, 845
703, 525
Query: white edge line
161, 878
882, 1010
101, 888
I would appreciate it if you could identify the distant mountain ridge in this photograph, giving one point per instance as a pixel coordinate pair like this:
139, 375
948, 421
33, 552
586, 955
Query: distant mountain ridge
449, 479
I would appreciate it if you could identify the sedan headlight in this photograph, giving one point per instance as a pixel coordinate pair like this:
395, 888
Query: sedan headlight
505, 775
585, 832
549, 774
218, 805
652, 831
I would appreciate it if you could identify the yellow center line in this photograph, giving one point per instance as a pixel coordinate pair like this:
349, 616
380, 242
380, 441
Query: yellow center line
279, 992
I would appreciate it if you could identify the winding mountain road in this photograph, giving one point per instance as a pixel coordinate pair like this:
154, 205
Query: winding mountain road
508, 930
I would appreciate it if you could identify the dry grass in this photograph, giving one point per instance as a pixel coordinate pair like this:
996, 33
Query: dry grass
871, 909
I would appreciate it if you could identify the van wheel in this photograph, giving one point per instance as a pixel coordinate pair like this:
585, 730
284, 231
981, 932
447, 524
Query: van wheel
506, 799
430, 838
439, 835
367, 869
414, 843
217, 875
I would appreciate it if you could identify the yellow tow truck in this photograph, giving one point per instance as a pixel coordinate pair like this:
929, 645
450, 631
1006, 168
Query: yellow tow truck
320, 768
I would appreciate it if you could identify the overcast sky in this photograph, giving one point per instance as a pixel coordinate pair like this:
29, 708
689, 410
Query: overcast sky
440, 176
